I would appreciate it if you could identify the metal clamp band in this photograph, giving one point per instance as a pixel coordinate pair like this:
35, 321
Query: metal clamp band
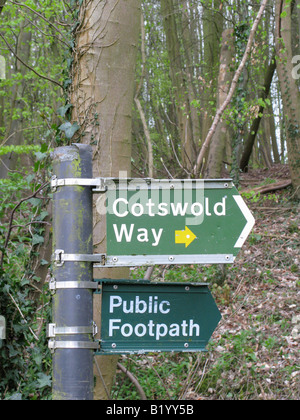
53, 330
60, 257
98, 184
54, 285
53, 345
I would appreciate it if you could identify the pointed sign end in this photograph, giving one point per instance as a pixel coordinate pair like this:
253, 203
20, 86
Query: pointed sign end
249, 218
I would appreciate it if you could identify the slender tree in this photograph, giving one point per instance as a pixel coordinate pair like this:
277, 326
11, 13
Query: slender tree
256, 123
288, 85
221, 138
102, 97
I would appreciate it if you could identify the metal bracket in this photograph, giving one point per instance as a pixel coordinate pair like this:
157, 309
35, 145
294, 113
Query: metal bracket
53, 345
60, 258
53, 330
148, 260
101, 185
98, 184
54, 285
102, 260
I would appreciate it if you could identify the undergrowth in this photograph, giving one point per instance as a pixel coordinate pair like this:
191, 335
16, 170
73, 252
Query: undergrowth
254, 352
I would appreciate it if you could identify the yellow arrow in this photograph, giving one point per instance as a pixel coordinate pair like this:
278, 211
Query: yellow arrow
184, 237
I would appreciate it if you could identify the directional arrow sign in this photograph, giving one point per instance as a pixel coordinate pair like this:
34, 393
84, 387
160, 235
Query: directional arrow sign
174, 222
184, 237
141, 318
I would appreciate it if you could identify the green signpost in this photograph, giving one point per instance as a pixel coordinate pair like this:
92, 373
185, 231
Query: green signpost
152, 317
175, 222
148, 222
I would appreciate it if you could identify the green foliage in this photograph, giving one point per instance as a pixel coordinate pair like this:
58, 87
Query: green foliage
35, 115
4, 150
25, 360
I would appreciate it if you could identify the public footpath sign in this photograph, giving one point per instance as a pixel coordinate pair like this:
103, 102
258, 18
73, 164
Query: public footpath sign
151, 317
174, 222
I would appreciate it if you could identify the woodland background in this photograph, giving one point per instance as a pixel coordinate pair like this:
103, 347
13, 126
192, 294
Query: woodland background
142, 83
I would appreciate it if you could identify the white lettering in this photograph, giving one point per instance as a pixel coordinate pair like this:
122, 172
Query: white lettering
138, 304
152, 329
151, 326
125, 309
161, 309
113, 327
207, 207
161, 331
193, 209
123, 232
150, 205
126, 327
137, 210
179, 209
156, 236
174, 330
184, 328
138, 327
112, 305
162, 209
192, 327
116, 202
143, 236
222, 204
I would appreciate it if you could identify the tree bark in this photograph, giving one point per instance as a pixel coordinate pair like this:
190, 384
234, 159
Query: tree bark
217, 150
288, 85
102, 96
178, 79
14, 132
256, 123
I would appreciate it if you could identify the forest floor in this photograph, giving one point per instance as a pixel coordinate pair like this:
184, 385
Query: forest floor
255, 351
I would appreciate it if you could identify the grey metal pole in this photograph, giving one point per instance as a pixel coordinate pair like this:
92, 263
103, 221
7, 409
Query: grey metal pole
71, 331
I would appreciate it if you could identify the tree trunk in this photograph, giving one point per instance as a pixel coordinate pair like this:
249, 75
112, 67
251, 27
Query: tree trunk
217, 150
288, 85
256, 123
213, 22
178, 79
272, 128
2, 3
102, 96
14, 133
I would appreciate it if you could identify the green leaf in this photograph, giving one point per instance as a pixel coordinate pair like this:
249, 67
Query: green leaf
43, 380
37, 239
35, 202
69, 129
63, 110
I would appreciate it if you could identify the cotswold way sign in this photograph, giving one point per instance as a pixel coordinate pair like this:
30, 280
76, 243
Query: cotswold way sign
151, 317
174, 222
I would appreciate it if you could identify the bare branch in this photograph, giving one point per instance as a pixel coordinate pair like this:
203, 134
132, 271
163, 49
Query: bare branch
231, 91
30, 68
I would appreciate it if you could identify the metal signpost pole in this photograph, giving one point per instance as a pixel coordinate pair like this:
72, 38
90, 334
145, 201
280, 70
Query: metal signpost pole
71, 334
